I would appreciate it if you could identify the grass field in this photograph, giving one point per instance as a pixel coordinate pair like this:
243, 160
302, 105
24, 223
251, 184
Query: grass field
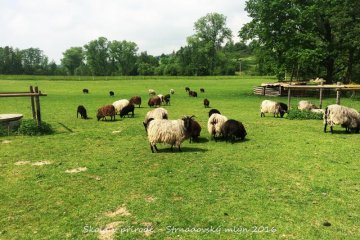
286, 181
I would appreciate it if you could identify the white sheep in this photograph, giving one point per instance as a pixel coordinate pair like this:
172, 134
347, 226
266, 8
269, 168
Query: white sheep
172, 91
347, 117
172, 132
120, 104
276, 108
215, 124
157, 113
306, 105
161, 97
152, 92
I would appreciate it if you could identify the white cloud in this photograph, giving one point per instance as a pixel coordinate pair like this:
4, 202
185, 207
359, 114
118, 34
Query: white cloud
156, 26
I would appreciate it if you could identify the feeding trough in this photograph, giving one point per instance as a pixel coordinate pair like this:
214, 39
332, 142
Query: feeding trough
10, 121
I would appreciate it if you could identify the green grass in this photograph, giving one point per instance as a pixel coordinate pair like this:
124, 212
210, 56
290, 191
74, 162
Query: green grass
287, 175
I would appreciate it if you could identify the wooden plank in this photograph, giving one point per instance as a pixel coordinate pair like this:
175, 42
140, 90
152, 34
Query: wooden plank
21, 94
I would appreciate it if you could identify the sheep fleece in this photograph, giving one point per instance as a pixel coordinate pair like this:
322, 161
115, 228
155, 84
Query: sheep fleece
166, 131
215, 123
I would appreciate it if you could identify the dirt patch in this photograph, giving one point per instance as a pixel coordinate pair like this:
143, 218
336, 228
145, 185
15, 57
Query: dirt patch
148, 228
116, 131
5, 141
122, 211
109, 231
97, 178
76, 170
19, 163
150, 199
40, 163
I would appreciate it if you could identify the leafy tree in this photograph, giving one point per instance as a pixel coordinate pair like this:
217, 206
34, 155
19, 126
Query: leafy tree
72, 59
123, 55
97, 56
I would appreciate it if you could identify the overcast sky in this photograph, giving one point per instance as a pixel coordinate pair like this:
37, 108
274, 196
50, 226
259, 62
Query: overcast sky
156, 26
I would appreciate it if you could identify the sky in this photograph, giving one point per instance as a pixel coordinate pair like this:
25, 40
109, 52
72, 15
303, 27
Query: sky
156, 26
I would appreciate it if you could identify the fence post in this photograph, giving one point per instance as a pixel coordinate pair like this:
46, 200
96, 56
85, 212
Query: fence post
38, 111
32, 103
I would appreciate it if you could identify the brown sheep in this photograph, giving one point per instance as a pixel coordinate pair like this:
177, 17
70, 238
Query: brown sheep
108, 110
136, 100
154, 101
195, 131
206, 103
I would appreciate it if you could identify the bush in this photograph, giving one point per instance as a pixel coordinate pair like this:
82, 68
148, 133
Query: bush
30, 127
303, 115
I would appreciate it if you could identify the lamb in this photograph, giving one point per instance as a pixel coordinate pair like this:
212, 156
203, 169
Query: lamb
152, 92
108, 110
157, 113
306, 105
167, 99
187, 89
172, 132
215, 123
206, 103
85, 90
202, 90
136, 100
195, 131
111, 93
154, 101
276, 108
82, 110
172, 91
212, 111
233, 129
120, 104
348, 118
127, 109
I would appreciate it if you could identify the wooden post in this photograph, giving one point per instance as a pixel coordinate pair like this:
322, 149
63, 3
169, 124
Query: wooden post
289, 98
37, 103
321, 95
32, 103
338, 94
263, 91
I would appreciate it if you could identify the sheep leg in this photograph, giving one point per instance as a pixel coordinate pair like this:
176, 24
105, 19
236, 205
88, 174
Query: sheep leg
156, 148
262, 114
179, 149
331, 129
325, 127
172, 148
152, 149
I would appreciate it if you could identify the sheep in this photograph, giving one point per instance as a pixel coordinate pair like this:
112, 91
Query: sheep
233, 129
108, 110
119, 104
111, 93
276, 108
152, 92
212, 111
157, 113
127, 109
192, 94
195, 131
167, 99
306, 105
202, 90
187, 89
206, 103
161, 97
215, 123
172, 91
348, 118
154, 101
82, 110
136, 100
172, 132
85, 90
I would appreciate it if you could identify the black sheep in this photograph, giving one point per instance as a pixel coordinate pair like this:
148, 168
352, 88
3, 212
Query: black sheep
206, 103
126, 110
111, 93
187, 89
202, 90
167, 99
212, 111
233, 129
283, 109
82, 110
85, 90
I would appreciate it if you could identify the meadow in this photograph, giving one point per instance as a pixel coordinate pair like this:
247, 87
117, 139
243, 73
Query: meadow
287, 180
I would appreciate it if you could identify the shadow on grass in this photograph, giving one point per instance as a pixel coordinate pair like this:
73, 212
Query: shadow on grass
340, 132
64, 126
183, 150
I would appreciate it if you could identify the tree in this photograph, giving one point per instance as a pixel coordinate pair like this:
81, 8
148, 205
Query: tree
72, 59
97, 56
123, 56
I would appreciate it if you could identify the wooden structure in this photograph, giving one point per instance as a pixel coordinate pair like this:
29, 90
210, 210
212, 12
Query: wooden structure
338, 88
35, 95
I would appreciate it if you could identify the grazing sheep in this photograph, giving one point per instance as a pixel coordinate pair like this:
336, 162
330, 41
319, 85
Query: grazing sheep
348, 118
202, 90
157, 113
85, 90
167, 99
111, 93
127, 109
206, 103
306, 105
215, 123
152, 92
172, 91
108, 110
195, 131
233, 129
172, 132
154, 101
161, 97
82, 110
276, 108
187, 89
136, 100
212, 111
192, 94
120, 104
322, 111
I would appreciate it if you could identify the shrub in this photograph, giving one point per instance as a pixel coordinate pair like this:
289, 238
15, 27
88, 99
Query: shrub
30, 127
303, 115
